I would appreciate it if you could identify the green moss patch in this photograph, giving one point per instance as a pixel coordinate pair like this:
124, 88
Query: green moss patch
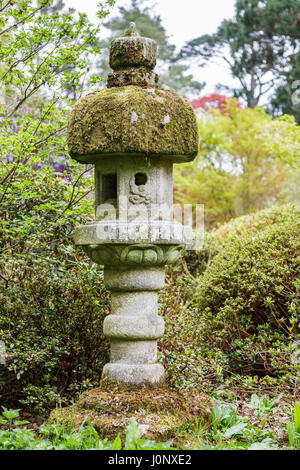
156, 400
160, 413
133, 120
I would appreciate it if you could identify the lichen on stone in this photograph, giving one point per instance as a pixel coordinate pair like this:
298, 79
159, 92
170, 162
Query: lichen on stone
132, 51
138, 76
100, 124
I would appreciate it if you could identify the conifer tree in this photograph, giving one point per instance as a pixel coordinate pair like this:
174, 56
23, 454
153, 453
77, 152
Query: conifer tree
173, 72
260, 45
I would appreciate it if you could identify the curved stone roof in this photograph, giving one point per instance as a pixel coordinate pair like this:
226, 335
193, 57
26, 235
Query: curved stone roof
133, 120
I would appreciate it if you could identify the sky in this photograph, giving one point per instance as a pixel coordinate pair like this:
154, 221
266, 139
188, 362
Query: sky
183, 21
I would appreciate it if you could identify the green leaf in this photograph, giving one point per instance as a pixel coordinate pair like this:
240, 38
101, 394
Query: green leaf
117, 445
10, 414
233, 430
132, 435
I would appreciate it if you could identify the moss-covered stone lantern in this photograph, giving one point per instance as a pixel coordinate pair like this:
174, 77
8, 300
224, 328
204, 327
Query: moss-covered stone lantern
133, 132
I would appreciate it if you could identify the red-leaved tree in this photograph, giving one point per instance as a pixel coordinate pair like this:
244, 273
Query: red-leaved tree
213, 101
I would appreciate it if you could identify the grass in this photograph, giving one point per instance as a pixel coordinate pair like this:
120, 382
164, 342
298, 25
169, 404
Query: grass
229, 430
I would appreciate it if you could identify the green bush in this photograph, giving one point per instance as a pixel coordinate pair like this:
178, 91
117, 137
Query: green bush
244, 315
52, 299
217, 238
238, 317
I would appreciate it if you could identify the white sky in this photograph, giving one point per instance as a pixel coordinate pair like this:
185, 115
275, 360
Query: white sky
183, 20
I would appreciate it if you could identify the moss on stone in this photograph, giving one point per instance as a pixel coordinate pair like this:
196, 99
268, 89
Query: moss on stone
133, 120
138, 76
154, 400
132, 51
127, 33
160, 413
154, 426
108, 383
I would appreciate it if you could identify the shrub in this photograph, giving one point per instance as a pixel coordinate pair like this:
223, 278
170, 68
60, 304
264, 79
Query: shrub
251, 224
52, 328
52, 299
244, 316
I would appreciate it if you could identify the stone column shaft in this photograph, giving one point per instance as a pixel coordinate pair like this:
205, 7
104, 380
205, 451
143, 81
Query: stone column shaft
133, 327
133, 132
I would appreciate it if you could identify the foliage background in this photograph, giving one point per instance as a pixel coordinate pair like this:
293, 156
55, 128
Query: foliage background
52, 299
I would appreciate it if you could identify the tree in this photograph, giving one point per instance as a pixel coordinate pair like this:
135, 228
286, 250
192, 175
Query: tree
43, 52
173, 73
259, 46
212, 101
286, 99
38, 45
247, 161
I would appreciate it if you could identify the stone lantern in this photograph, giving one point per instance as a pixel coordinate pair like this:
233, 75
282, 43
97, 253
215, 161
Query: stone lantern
133, 132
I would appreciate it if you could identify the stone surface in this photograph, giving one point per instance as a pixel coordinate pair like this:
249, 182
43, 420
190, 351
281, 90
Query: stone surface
132, 51
134, 279
131, 376
133, 132
135, 188
132, 76
132, 58
133, 255
116, 233
133, 116
133, 352
160, 413
131, 327
134, 303
133, 120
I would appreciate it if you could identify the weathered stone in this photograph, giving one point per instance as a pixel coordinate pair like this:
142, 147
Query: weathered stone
133, 255
133, 120
134, 279
133, 132
133, 116
161, 414
134, 303
142, 77
132, 51
132, 58
157, 400
115, 235
133, 327
132, 376
133, 352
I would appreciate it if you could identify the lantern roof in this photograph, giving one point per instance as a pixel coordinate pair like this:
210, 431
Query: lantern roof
133, 116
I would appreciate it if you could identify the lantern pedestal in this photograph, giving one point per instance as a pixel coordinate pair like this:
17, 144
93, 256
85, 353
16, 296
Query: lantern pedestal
133, 132
160, 413
133, 327
134, 272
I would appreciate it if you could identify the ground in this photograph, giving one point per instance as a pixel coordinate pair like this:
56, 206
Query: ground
166, 415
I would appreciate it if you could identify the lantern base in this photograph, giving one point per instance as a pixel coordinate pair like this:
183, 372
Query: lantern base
117, 376
161, 414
